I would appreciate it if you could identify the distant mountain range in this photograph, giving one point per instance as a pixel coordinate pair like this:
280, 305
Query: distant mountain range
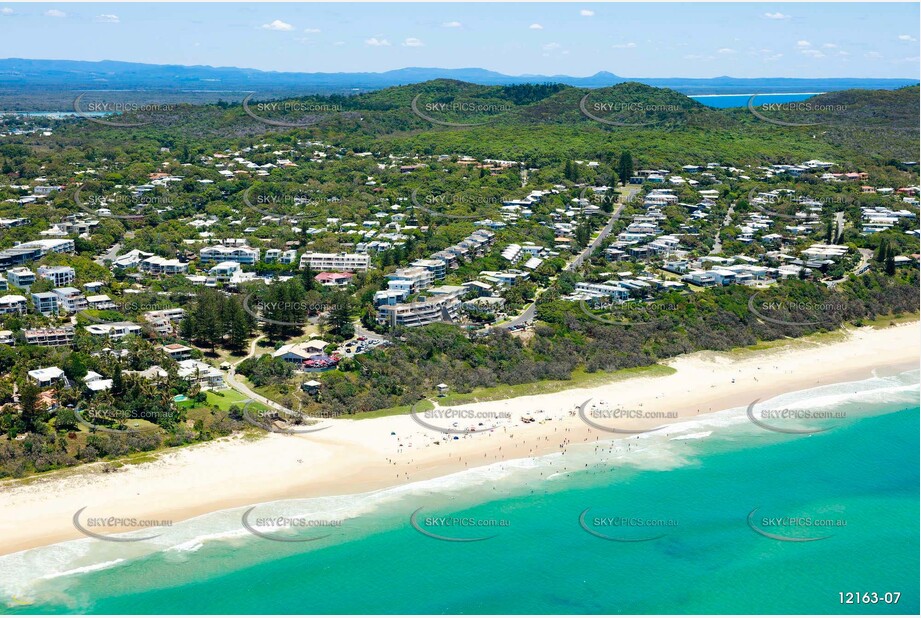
31, 75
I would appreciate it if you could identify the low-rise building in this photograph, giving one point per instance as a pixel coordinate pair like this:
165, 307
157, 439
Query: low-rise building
70, 300
51, 337
156, 265
222, 253
59, 276
202, 374
224, 271
46, 303
12, 303
177, 351
20, 277
114, 330
47, 376
99, 302
163, 321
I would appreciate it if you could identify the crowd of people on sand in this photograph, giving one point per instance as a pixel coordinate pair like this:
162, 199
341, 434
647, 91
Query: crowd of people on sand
528, 443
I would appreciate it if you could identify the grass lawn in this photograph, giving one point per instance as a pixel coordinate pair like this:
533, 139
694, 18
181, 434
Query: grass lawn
223, 399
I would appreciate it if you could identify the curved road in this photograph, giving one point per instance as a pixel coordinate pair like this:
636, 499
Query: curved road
230, 378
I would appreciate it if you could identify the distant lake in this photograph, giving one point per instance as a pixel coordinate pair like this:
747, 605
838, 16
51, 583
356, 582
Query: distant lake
741, 100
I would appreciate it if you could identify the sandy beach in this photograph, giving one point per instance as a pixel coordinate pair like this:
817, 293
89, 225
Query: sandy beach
356, 456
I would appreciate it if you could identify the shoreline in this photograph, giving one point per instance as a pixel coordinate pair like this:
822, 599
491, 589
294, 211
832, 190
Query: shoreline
357, 456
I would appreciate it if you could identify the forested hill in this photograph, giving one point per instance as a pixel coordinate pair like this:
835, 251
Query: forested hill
539, 123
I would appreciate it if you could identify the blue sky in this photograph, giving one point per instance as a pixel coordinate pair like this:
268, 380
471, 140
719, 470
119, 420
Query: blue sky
631, 40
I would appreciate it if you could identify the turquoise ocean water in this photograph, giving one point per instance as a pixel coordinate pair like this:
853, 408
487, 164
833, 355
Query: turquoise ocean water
684, 544
741, 100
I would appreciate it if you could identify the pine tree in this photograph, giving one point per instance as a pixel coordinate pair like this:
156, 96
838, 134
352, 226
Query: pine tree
28, 401
890, 261
625, 167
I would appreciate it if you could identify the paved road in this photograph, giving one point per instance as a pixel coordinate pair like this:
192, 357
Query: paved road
230, 378
528, 314
717, 243
605, 231
862, 266
839, 220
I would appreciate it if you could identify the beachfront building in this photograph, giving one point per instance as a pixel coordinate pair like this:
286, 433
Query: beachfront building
202, 374
300, 352
443, 308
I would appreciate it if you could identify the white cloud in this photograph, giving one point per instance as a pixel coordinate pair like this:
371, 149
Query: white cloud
907, 37
55, 13
108, 18
829, 46
725, 50
873, 54
773, 57
376, 42
549, 47
813, 53
413, 42
803, 44
776, 16
312, 30
535, 27
279, 26
339, 43
844, 53
6, 11
630, 45
452, 24
586, 13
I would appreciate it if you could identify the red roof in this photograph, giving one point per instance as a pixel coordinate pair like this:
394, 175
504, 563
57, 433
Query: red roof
333, 276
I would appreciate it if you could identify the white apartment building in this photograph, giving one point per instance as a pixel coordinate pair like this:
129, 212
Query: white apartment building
12, 303
222, 253
58, 275
419, 313
335, 261
156, 265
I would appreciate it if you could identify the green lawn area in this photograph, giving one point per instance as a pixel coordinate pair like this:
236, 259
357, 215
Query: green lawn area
222, 400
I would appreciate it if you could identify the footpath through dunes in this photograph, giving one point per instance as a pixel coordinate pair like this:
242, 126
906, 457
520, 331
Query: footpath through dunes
356, 456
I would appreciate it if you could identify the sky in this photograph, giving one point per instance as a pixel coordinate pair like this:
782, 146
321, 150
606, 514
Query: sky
579, 39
